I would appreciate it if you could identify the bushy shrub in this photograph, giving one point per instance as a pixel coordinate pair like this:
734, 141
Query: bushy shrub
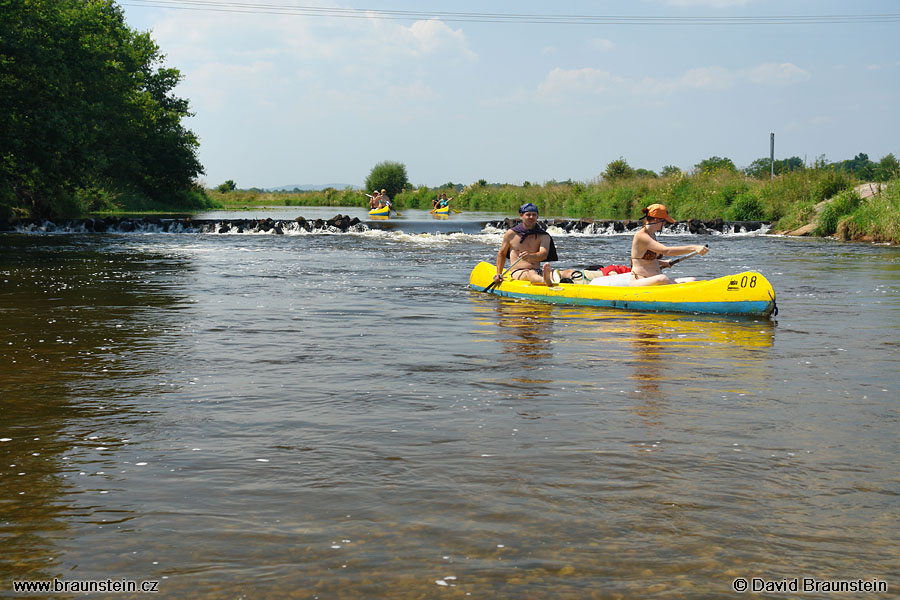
876, 219
617, 170
829, 183
746, 207
714, 165
843, 204
389, 176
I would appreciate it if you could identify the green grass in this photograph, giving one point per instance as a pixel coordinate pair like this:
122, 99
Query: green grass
875, 219
247, 199
788, 201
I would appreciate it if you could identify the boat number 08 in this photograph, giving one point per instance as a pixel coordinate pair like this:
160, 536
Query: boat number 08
751, 280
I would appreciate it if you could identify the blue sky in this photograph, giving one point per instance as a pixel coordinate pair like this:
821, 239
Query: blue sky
283, 99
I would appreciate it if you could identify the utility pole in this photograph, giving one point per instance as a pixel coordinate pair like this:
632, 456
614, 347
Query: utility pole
772, 152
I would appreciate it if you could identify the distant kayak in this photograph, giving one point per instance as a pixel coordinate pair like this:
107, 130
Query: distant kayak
380, 212
444, 210
747, 293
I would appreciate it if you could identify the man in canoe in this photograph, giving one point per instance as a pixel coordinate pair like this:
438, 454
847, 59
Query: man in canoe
526, 245
646, 268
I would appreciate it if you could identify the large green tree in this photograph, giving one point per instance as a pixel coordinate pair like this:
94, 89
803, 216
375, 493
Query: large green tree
714, 164
888, 168
389, 176
617, 170
86, 103
761, 168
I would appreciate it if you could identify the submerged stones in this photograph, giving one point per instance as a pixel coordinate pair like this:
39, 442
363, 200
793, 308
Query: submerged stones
338, 224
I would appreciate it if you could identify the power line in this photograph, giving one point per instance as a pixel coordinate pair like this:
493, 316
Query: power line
525, 18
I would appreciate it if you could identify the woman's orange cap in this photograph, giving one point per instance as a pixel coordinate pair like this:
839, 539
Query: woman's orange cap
658, 211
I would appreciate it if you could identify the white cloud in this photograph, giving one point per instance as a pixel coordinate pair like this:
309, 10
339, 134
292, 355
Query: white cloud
374, 43
562, 82
389, 41
433, 36
311, 68
566, 81
777, 74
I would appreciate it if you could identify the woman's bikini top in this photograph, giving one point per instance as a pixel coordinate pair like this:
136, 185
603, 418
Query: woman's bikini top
648, 255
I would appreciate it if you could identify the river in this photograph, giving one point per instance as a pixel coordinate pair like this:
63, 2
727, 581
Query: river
338, 416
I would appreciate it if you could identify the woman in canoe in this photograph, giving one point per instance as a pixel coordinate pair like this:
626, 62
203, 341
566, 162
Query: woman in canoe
646, 268
385, 200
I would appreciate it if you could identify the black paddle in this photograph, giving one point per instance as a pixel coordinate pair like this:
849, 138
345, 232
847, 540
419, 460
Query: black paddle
494, 283
685, 257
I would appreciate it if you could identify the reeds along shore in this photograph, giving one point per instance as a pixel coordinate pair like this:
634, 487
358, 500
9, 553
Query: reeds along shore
788, 202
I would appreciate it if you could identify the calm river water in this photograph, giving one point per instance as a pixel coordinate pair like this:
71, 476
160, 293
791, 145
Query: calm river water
339, 416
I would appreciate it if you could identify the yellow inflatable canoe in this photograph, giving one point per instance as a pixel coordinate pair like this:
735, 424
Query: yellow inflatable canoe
383, 211
747, 293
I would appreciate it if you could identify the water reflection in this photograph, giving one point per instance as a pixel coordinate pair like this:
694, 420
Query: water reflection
676, 347
654, 351
525, 330
686, 351
81, 330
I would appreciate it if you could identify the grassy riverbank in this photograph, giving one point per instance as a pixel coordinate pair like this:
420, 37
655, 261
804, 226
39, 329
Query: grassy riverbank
788, 201
875, 219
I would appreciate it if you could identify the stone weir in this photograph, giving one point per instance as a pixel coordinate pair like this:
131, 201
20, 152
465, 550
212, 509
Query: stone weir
693, 226
337, 224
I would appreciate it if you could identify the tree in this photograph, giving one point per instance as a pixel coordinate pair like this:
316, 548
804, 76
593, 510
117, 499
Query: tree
618, 169
888, 168
714, 164
86, 105
389, 176
671, 171
859, 165
228, 186
761, 168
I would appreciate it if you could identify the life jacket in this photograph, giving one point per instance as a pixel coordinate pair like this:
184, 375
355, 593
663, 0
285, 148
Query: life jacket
615, 269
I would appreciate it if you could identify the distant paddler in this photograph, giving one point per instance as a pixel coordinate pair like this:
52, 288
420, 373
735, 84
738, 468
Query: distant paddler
441, 204
385, 202
646, 267
528, 245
